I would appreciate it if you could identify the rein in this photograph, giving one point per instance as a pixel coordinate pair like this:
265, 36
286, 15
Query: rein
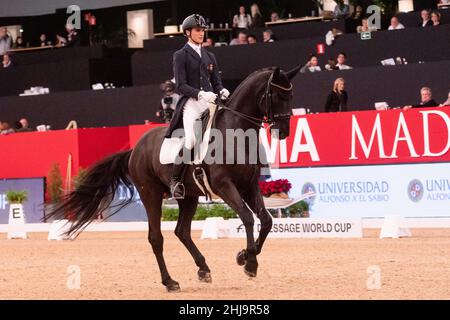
269, 118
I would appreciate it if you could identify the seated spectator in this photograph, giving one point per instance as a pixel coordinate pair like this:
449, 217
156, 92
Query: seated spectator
426, 100
337, 99
23, 126
446, 103
274, 16
241, 39
268, 36
251, 39
60, 41
364, 27
312, 65
242, 20
208, 43
257, 19
331, 36
358, 13
331, 65
43, 41
5, 128
426, 21
436, 18
342, 10
5, 41
395, 24
341, 59
73, 36
19, 43
6, 61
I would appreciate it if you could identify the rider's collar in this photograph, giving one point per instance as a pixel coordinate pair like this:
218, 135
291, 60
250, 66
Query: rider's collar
195, 46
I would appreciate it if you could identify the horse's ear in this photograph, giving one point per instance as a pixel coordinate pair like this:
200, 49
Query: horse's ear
292, 73
276, 74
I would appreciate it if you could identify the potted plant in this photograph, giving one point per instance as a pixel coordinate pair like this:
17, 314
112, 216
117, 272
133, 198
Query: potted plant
304, 209
16, 219
275, 189
54, 187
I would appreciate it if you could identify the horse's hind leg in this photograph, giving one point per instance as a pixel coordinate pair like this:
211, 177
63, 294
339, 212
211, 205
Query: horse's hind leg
188, 207
152, 200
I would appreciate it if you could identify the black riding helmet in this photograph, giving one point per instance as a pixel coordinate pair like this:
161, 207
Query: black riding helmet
193, 21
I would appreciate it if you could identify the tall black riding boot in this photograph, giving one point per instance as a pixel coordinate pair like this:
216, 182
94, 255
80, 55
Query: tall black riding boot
179, 168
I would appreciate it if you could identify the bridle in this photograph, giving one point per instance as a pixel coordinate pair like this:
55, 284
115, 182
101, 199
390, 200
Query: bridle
269, 117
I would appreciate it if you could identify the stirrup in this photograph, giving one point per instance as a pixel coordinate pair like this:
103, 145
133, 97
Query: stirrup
177, 190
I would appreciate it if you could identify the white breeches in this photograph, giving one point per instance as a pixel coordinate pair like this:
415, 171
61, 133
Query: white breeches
191, 121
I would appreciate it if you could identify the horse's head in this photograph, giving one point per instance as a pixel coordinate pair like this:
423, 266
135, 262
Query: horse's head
277, 101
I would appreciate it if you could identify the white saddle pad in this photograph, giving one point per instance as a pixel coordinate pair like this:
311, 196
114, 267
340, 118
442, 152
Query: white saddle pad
172, 146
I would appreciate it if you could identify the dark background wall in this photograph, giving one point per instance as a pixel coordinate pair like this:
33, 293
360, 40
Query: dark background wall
414, 44
397, 85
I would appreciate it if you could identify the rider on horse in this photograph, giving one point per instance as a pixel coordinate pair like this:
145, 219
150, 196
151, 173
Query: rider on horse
198, 82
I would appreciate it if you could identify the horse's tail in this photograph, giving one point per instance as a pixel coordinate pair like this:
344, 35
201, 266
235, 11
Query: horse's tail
95, 193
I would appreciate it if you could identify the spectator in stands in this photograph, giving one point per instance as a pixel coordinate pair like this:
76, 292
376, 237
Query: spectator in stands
312, 65
337, 99
60, 41
257, 19
251, 39
25, 126
364, 27
331, 65
73, 36
6, 61
268, 36
395, 24
341, 59
242, 20
446, 103
436, 18
342, 10
241, 39
5, 128
208, 43
426, 21
426, 100
5, 41
19, 43
43, 41
358, 13
274, 16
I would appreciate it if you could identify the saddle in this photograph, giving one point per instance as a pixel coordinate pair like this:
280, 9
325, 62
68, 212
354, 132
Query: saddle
171, 147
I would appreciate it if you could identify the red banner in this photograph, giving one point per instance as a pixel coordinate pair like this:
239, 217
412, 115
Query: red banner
367, 137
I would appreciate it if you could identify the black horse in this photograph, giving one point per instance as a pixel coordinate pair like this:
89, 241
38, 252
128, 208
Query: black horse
264, 96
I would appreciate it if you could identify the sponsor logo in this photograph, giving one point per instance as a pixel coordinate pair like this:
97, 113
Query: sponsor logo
415, 190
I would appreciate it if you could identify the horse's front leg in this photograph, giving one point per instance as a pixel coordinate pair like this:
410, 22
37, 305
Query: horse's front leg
229, 193
255, 201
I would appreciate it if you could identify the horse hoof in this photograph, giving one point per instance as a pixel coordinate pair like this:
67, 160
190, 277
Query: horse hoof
204, 276
173, 286
251, 274
241, 257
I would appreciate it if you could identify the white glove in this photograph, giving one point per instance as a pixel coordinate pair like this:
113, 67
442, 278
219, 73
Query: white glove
224, 94
208, 96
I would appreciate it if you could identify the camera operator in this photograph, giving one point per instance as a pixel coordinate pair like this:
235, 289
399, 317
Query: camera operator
168, 102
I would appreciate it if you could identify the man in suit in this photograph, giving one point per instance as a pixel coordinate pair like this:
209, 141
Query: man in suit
198, 82
426, 100
426, 21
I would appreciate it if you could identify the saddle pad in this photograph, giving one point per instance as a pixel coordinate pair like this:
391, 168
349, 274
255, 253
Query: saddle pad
172, 146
